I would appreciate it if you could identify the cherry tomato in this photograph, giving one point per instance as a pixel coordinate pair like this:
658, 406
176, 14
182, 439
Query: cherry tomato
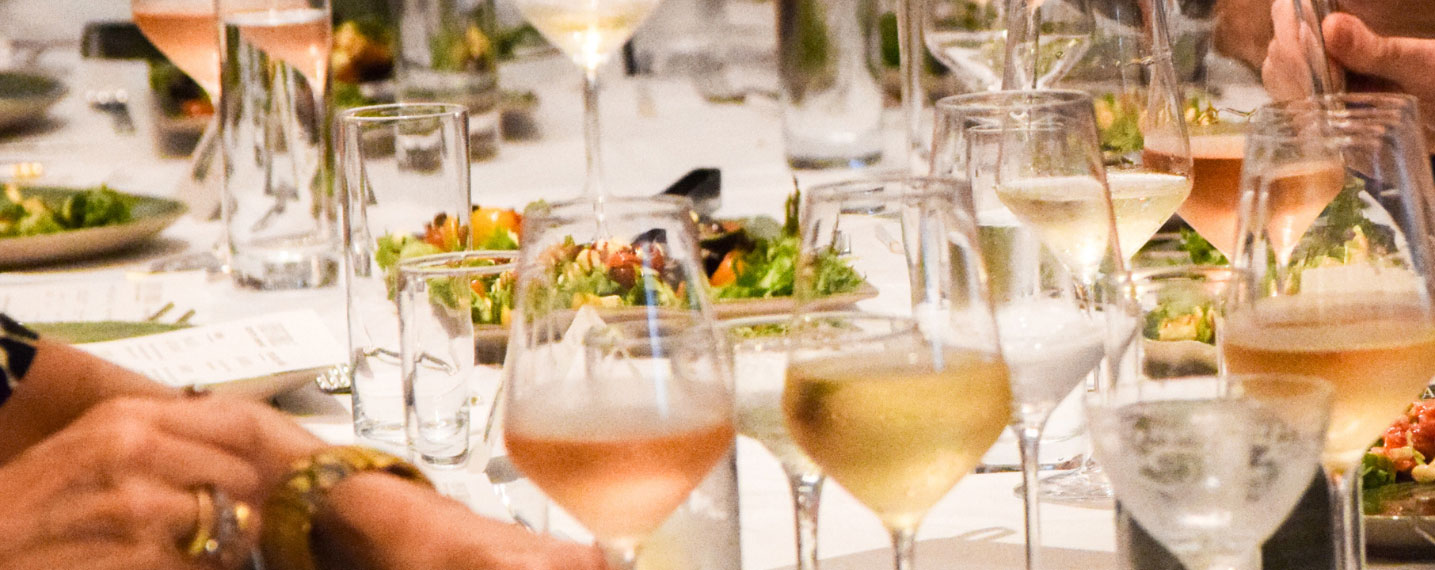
488, 220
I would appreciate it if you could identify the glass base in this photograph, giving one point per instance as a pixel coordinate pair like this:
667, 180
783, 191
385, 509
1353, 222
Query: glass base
282, 271
825, 162
1088, 484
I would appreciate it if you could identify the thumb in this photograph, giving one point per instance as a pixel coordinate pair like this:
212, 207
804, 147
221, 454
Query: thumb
1351, 43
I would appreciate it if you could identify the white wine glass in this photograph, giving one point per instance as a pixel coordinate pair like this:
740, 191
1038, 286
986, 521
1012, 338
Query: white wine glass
917, 409
617, 403
1345, 295
588, 32
1140, 116
1211, 465
970, 37
1034, 162
1053, 333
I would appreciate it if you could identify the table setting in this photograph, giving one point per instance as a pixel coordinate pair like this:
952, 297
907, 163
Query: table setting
1066, 289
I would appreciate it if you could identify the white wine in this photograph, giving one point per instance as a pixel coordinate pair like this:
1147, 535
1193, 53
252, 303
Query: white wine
1378, 354
893, 429
1069, 213
589, 31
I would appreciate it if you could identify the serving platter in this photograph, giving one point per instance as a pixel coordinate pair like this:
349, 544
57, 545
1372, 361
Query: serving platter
148, 216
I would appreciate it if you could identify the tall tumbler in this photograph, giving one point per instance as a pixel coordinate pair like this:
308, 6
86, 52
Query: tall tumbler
448, 53
829, 62
405, 170
278, 201
436, 295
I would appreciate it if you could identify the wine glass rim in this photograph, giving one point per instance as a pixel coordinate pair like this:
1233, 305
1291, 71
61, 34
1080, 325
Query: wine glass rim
794, 338
1213, 273
442, 264
1026, 99
914, 186
1340, 113
1169, 389
582, 208
389, 112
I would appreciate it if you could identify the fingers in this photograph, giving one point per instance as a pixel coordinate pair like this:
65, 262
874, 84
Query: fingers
1355, 46
136, 510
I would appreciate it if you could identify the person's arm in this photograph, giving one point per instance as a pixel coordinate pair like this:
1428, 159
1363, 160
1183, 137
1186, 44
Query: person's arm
375, 521
49, 384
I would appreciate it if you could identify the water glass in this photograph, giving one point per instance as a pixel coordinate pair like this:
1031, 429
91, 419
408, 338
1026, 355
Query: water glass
830, 81
435, 299
407, 193
280, 215
1181, 309
448, 52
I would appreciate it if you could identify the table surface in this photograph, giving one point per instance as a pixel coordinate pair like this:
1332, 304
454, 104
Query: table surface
655, 130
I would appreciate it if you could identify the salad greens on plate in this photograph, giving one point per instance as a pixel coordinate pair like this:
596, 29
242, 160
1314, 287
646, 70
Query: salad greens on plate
22, 215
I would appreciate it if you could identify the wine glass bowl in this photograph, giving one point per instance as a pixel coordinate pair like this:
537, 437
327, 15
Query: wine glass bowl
1334, 269
1211, 466
970, 36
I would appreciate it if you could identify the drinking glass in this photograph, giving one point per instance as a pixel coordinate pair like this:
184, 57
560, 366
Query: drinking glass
1181, 311
280, 215
1140, 116
1211, 465
760, 346
435, 299
1034, 164
898, 418
1055, 327
971, 38
1334, 265
617, 395
588, 31
406, 184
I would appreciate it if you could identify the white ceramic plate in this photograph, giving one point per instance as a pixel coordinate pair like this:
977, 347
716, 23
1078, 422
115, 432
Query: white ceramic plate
24, 97
148, 217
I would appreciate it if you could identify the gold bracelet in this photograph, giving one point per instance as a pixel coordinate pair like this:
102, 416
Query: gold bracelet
289, 512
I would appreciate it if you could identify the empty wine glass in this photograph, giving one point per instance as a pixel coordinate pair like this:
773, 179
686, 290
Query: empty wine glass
1334, 270
970, 38
1211, 465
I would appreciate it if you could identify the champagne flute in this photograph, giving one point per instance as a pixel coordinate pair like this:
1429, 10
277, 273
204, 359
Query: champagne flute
588, 31
969, 37
1347, 297
616, 412
760, 346
1140, 116
1052, 333
917, 409
1211, 465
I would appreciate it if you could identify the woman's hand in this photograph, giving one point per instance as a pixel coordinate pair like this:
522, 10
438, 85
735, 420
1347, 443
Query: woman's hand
119, 488
375, 521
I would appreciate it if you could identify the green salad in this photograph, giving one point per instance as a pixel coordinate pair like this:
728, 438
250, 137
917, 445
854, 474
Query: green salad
22, 215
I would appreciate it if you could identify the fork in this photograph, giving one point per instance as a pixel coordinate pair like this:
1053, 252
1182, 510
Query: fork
116, 103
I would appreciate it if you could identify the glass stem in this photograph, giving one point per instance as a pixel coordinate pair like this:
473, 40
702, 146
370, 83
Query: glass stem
806, 497
593, 180
1345, 521
909, 57
904, 548
1030, 440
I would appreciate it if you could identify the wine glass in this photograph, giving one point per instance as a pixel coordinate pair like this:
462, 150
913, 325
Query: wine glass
1033, 160
760, 346
917, 409
1140, 115
971, 38
1345, 295
1055, 328
617, 395
588, 31
1211, 465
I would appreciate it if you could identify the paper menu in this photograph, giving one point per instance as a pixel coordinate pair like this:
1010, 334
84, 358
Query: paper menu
247, 348
134, 298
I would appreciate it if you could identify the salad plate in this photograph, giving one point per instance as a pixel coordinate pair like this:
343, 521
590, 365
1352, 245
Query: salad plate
147, 217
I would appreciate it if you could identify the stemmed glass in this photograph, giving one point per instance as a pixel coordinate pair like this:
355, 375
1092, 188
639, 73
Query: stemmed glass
1057, 321
616, 412
897, 418
970, 37
1347, 297
1211, 465
588, 31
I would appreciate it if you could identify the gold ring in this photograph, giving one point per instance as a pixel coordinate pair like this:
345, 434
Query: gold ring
204, 523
